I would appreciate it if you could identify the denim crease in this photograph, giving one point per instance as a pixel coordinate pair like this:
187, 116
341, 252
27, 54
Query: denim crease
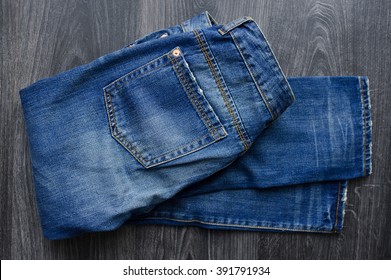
190, 125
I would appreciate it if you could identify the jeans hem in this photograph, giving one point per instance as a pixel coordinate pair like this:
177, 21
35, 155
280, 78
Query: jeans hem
367, 125
340, 206
210, 224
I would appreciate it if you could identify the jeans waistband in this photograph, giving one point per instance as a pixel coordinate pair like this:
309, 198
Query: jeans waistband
259, 59
261, 63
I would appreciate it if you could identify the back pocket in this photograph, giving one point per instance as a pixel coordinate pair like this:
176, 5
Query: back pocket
159, 113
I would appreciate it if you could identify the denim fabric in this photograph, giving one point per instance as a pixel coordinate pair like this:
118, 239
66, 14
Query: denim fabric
325, 135
113, 139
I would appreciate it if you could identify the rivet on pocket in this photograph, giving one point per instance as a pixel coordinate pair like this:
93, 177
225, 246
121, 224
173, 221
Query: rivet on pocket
176, 52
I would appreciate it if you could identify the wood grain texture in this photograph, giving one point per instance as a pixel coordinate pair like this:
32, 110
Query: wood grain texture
329, 37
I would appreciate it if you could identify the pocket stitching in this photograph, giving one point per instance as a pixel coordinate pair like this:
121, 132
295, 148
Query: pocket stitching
115, 132
128, 146
193, 97
242, 135
147, 163
179, 148
126, 78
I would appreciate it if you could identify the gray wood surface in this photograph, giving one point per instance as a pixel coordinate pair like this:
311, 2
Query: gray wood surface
329, 37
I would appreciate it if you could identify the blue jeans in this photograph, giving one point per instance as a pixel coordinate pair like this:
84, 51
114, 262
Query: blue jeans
167, 130
294, 176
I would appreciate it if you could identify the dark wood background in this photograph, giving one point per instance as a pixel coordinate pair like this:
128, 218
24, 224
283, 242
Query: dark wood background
329, 37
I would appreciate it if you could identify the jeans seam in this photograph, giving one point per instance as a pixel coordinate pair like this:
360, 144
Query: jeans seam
364, 125
181, 147
233, 225
212, 129
115, 132
220, 86
118, 82
268, 106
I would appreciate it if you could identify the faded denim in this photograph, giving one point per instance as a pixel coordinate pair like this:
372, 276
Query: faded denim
123, 138
294, 176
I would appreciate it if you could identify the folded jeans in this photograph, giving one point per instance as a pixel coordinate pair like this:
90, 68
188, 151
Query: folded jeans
166, 130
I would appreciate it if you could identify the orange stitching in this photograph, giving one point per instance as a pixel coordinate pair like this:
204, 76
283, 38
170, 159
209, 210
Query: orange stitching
222, 91
188, 152
128, 144
364, 124
183, 146
193, 98
233, 225
115, 131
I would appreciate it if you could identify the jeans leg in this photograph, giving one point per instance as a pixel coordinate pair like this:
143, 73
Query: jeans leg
294, 177
313, 207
